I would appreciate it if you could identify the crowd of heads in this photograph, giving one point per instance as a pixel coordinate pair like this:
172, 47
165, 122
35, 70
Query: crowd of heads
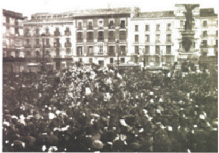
88, 108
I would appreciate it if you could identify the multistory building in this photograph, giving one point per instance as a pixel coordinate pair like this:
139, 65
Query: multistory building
12, 30
165, 37
49, 38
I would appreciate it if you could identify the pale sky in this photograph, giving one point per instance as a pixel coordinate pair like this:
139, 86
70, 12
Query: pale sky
28, 7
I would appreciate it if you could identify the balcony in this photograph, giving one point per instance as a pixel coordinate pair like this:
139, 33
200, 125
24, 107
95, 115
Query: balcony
48, 34
100, 54
90, 54
67, 33
37, 46
204, 50
68, 44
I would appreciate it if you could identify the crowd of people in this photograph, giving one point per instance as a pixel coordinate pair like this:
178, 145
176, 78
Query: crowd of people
88, 108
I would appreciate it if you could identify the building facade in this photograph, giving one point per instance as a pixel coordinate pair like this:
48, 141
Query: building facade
12, 30
109, 36
49, 39
157, 38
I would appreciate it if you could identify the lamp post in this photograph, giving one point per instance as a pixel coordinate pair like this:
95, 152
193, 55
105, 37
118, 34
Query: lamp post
117, 42
43, 56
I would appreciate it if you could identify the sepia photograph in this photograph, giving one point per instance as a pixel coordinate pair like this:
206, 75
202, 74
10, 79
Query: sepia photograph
109, 76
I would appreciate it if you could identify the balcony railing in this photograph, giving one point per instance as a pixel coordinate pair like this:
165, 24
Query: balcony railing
48, 34
37, 46
68, 45
79, 28
90, 54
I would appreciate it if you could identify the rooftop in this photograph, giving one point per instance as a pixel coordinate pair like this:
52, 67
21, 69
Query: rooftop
205, 12
13, 14
156, 14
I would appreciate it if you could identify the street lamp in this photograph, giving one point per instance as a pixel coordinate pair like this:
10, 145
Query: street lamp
43, 57
117, 42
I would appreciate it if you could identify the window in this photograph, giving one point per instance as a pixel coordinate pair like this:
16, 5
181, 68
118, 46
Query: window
204, 43
68, 50
122, 35
157, 38
122, 60
111, 51
47, 31
67, 31
37, 31
26, 33
111, 60
193, 44
157, 59
147, 27
111, 35
136, 49
181, 23
111, 24
136, 38
217, 33
90, 36
90, 25
17, 31
168, 37
68, 40
7, 19
216, 43
79, 25
147, 38
100, 23
158, 27
37, 41
157, 50
90, 50
168, 59
147, 49
168, 26
79, 51
205, 34
136, 27
28, 41
205, 24
168, 49
122, 50
122, 24
79, 36
100, 46
100, 36
47, 41
90, 60
57, 33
